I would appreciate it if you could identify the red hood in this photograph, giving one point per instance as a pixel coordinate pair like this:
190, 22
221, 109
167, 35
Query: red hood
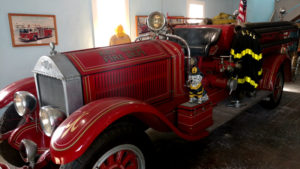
107, 58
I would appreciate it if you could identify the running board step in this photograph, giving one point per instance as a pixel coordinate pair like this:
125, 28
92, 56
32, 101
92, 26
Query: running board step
222, 113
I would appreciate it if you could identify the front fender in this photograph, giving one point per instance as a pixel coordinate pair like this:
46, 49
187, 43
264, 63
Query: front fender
30, 131
7, 94
78, 131
72, 138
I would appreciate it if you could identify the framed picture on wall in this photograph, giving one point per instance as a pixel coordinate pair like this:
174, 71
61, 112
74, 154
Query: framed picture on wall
141, 26
32, 29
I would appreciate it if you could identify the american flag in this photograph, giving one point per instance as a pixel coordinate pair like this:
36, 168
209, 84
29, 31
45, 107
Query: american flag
242, 11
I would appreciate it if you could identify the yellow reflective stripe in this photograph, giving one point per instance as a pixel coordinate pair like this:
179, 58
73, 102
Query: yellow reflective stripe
248, 80
241, 81
245, 52
195, 87
200, 92
260, 72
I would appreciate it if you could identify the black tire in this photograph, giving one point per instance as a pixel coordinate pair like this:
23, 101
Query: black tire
10, 119
11, 155
118, 135
274, 99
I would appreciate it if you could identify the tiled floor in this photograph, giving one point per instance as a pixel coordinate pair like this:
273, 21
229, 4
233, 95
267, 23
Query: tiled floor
257, 138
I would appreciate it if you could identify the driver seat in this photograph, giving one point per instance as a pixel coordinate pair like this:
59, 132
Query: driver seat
199, 39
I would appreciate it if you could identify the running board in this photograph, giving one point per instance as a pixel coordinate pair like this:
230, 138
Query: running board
222, 113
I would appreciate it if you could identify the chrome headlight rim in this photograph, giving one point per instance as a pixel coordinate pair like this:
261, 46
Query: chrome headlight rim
24, 102
153, 17
28, 150
50, 119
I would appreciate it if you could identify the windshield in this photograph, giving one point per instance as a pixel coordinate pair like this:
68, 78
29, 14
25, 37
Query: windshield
23, 30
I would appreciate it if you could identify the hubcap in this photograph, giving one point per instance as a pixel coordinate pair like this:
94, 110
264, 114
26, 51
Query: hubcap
124, 156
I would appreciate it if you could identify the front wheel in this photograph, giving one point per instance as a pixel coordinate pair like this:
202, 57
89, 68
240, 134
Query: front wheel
274, 99
121, 146
122, 156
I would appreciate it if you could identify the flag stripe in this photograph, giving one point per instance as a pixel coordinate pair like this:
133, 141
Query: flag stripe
242, 11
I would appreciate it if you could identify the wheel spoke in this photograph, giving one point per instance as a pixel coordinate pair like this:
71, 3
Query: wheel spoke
129, 158
132, 166
111, 160
125, 156
120, 157
103, 166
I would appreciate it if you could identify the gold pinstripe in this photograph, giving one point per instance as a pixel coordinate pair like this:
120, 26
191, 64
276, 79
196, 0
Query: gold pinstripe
86, 89
21, 131
89, 126
84, 69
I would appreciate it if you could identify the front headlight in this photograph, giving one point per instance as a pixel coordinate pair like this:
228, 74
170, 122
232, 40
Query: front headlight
50, 118
156, 21
24, 102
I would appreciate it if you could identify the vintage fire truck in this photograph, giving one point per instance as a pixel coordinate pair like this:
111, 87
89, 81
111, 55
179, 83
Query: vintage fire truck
90, 108
33, 34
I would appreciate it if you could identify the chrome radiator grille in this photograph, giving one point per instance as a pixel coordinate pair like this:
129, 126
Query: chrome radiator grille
58, 83
51, 92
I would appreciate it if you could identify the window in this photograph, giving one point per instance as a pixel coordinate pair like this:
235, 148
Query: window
107, 15
195, 9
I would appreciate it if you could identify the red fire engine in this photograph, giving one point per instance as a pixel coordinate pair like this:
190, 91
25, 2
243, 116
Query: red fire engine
90, 108
33, 34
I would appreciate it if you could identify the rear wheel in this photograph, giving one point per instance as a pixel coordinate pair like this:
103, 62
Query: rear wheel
274, 99
122, 146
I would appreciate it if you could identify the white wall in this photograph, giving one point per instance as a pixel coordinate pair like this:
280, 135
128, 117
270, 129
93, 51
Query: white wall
74, 25
214, 7
174, 7
258, 10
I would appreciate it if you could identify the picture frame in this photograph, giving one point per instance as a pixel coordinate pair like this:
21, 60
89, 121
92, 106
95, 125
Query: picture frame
32, 29
141, 25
